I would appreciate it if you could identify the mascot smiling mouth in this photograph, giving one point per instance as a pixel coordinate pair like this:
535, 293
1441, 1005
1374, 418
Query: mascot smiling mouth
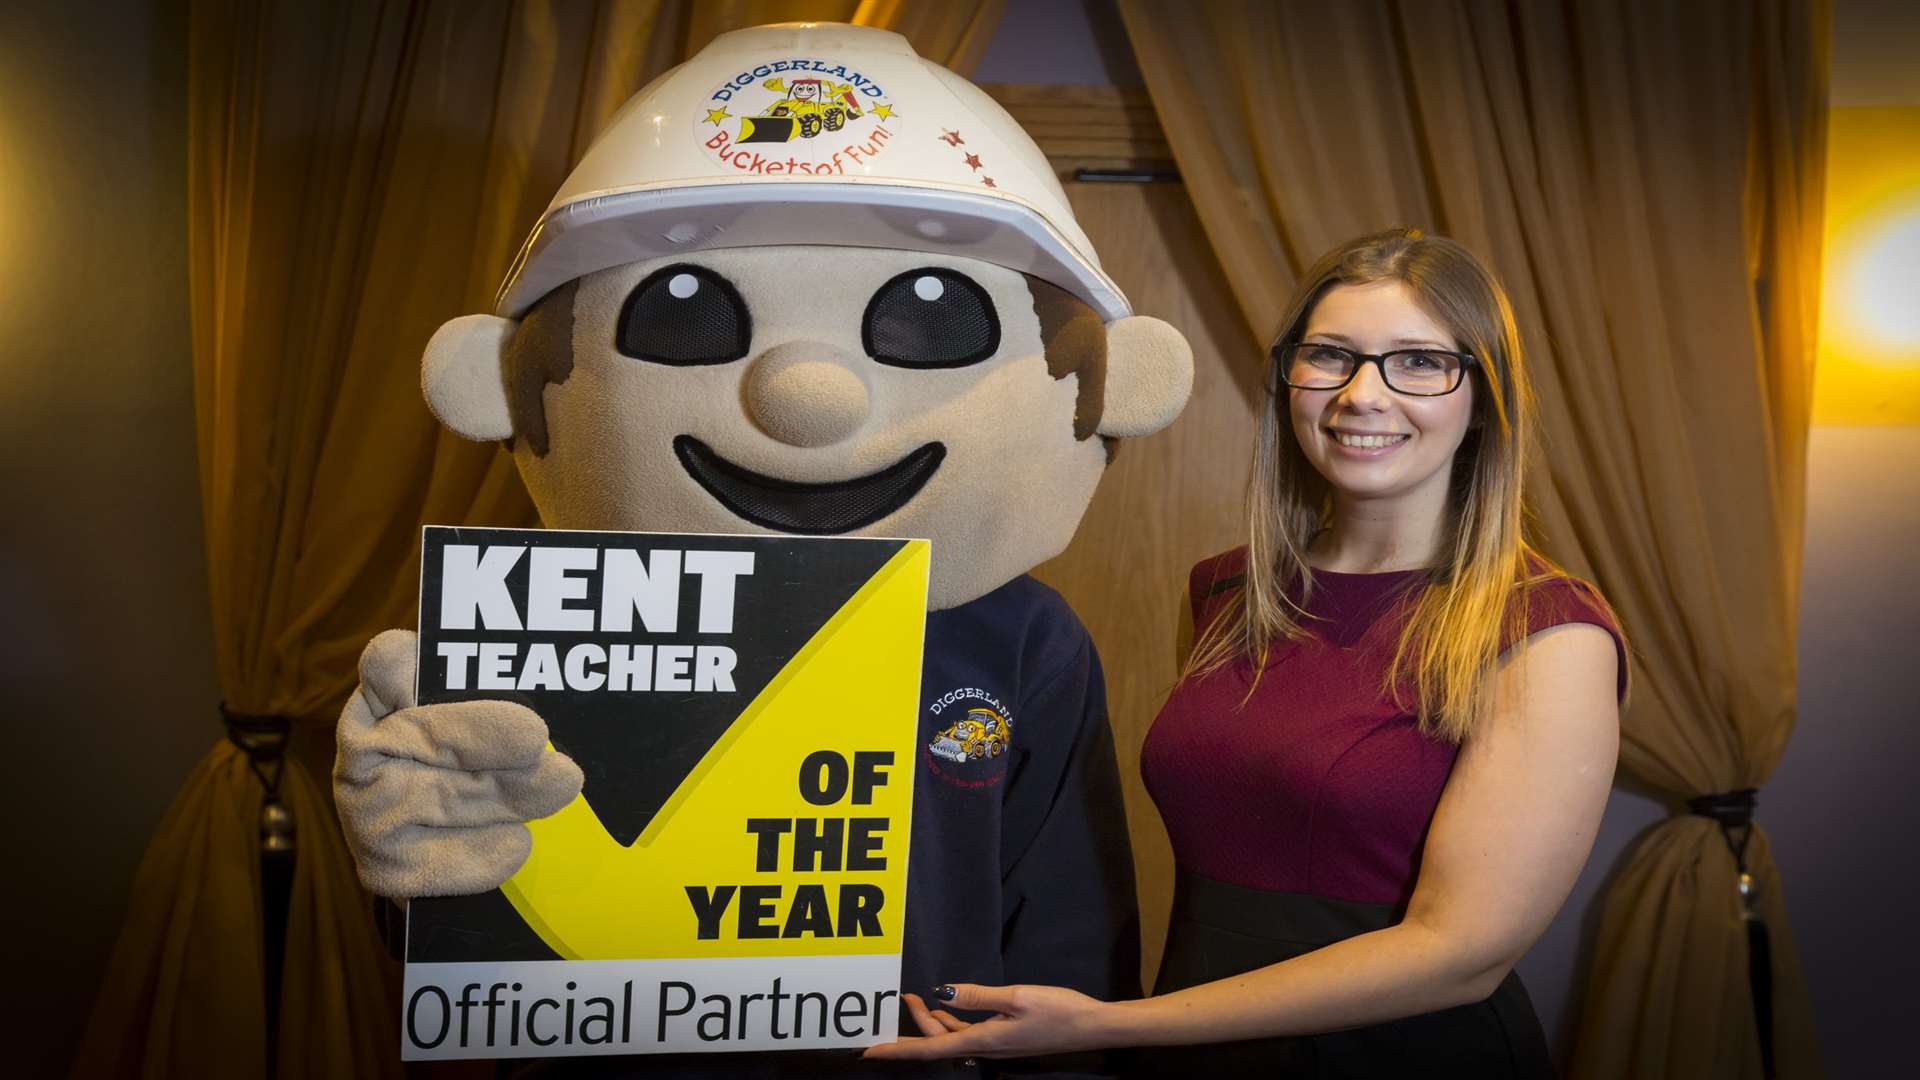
837, 506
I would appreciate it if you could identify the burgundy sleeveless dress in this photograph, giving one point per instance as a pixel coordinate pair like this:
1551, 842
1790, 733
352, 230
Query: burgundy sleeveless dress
1298, 821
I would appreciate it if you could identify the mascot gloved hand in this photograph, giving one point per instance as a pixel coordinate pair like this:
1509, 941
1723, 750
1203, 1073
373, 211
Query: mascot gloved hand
808, 283
437, 797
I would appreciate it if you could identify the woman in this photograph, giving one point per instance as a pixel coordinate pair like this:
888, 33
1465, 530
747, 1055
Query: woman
1391, 744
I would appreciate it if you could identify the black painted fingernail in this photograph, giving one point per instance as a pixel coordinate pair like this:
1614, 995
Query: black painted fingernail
944, 992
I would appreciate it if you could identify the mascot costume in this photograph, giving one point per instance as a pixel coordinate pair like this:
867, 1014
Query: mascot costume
809, 283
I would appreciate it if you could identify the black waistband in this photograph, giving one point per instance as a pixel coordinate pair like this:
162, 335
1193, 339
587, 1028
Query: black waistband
1299, 918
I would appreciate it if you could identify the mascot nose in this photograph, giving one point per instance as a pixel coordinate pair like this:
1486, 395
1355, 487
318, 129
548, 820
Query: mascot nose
797, 395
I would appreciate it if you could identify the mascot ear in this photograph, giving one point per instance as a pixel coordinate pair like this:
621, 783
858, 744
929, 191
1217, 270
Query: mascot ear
462, 376
1149, 375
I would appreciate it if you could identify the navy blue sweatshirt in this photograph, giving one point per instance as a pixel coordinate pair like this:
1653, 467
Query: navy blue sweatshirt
1020, 868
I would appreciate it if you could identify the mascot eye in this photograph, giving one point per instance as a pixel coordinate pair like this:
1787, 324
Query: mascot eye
685, 315
930, 318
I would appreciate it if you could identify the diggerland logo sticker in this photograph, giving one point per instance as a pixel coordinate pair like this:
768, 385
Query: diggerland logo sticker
812, 117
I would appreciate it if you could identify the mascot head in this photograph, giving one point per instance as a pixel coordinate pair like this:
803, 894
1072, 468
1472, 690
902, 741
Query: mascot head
808, 282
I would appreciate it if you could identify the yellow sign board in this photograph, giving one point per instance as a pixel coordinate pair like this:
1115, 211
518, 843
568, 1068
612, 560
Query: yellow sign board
733, 875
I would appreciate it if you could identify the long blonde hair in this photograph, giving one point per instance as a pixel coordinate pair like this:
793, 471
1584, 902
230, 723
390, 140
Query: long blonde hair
1475, 598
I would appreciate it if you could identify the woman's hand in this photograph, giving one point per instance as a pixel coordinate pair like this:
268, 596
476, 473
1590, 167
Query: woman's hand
1028, 1020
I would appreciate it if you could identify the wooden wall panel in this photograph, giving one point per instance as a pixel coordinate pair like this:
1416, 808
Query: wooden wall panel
1175, 497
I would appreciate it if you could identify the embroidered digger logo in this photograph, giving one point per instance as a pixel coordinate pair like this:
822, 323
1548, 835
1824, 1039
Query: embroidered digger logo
982, 733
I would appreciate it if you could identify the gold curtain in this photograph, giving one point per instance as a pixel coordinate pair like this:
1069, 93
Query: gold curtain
358, 173
1646, 177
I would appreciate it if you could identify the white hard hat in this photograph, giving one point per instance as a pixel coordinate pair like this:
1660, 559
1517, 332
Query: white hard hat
818, 134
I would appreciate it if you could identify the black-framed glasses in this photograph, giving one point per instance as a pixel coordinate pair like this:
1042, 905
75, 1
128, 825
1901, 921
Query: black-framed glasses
1312, 365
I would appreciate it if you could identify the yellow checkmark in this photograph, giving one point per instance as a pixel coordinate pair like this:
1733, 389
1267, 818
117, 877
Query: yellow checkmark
854, 688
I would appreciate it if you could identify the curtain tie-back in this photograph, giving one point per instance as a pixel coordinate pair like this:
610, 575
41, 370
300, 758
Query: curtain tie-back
1734, 811
264, 740
262, 737
1729, 808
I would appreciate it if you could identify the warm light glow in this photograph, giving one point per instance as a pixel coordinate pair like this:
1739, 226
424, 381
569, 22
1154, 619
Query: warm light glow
1869, 355
1884, 288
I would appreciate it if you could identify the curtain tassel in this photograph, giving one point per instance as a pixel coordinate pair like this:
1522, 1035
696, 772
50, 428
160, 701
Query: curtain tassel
264, 740
1734, 812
